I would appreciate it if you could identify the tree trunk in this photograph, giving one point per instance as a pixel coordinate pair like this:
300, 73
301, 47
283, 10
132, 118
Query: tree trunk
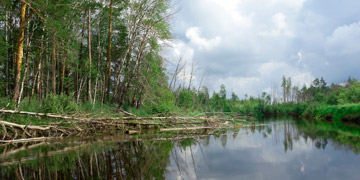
109, 55
19, 53
77, 75
7, 56
89, 54
25, 72
62, 83
28, 45
40, 75
53, 66
191, 75
98, 65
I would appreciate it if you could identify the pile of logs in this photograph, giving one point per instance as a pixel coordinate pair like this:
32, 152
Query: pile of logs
78, 125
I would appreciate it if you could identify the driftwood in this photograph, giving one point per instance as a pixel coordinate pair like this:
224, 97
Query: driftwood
100, 119
25, 126
42, 114
126, 113
130, 132
84, 125
17, 133
27, 140
186, 128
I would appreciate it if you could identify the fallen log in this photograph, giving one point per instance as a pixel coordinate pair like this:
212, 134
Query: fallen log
130, 132
101, 119
23, 127
126, 113
27, 140
186, 128
44, 114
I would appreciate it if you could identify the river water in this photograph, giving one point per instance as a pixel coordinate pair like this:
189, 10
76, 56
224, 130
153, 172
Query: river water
273, 149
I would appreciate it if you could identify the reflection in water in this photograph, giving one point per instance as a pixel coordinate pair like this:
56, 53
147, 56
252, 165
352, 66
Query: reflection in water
275, 149
138, 160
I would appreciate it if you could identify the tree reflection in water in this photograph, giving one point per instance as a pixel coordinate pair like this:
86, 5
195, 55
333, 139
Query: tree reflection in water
155, 158
129, 160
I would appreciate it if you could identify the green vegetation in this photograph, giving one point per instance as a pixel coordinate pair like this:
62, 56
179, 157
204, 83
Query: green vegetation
343, 135
94, 58
77, 56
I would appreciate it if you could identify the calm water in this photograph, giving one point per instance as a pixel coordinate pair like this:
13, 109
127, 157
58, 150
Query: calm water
274, 149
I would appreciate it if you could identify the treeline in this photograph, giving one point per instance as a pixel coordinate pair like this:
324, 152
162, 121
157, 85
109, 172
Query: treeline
91, 51
201, 101
319, 94
322, 94
294, 101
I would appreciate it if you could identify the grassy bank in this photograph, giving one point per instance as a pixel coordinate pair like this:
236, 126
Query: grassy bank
55, 104
347, 114
343, 135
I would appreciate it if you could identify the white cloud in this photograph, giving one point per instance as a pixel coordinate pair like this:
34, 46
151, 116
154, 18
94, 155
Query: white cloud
194, 33
303, 78
344, 40
293, 4
300, 56
280, 27
248, 45
238, 85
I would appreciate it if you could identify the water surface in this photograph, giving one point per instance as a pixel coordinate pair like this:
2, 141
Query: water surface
273, 149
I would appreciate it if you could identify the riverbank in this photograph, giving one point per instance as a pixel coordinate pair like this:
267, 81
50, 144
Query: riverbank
59, 116
292, 145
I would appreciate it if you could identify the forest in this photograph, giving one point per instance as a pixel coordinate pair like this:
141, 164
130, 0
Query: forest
87, 92
88, 51
71, 57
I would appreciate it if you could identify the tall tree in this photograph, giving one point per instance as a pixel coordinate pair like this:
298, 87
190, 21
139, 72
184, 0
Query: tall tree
288, 89
283, 85
20, 52
89, 54
53, 64
109, 54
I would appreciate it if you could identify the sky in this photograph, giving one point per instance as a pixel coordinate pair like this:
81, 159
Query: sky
248, 45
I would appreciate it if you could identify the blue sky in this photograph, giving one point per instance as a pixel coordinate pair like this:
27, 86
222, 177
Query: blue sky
248, 45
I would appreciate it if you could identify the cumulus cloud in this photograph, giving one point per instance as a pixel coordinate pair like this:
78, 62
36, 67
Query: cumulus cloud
248, 45
194, 33
280, 28
294, 4
344, 40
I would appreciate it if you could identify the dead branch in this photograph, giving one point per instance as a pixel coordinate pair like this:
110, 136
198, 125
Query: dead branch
187, 128
27, 140
127, 113
24, 127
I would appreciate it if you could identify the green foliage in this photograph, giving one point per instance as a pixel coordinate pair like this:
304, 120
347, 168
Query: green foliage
185, 99
58, 104
161, 99
337, 111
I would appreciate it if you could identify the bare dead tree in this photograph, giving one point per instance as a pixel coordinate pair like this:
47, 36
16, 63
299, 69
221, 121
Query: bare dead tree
191, 74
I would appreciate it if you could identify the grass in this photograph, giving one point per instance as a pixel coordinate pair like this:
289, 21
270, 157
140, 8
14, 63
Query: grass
56, 104
337, 111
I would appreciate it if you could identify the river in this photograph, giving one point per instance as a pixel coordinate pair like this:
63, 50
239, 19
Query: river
280, 148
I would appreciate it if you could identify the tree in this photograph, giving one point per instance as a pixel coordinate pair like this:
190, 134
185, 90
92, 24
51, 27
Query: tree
109, 53
234, 97
222, 91
127, 63
20, 52
89, 54
316, 82
288, 89
283, 85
